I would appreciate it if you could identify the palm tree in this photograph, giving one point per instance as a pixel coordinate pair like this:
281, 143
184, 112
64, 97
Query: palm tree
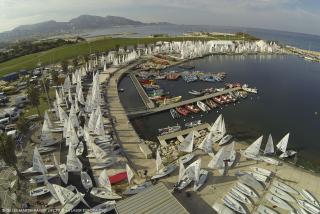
34, 97
64, 65
7, 152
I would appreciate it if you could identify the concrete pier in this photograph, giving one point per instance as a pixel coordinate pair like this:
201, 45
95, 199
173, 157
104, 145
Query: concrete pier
126, 135
149, 103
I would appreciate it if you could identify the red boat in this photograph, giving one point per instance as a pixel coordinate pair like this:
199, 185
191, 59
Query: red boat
173, 76
192, 108
219, 100
147, 81
182, 111
117, 178
211, 104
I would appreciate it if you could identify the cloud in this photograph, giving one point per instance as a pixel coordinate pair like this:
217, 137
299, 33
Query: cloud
292, 15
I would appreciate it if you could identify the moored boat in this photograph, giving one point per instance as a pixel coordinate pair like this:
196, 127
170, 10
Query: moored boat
203, 106
193, 123
182, 111
211, 103
169, 129
174, 114
192, 108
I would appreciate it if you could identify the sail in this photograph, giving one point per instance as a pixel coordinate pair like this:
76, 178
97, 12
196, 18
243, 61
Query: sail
254, 148
216, 125
269, 149
283, 143
98, 152
37, 162
103, 180
46, 135
192, 168
62, 115
58, 98
129, 173
46, 117
92, 122
222, 127
70, 96
158, 160
80, 96
197, 171
63, 194
67, 83
181, 171
206, 144
187, 143
99, 129
73, 163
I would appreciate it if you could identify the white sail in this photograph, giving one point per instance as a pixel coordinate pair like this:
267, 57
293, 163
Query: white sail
103, 180
254, 148
181, 171
92, 122
80, 96
46, 135
63, 174
158, 160
37, 162
99, 129
187, 144
73, 163
58, 98
46, 117
63, 194
283, 143
269, 149
62, 114
67, 83
98, 152
193, 170
73, 116
222, 127
206, 144
216, 126
129, 173
70, 96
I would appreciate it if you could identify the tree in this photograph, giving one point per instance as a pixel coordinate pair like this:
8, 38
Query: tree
55, 77
64, 65
7, 152
86, 58
22, 125
75, 62
34, 97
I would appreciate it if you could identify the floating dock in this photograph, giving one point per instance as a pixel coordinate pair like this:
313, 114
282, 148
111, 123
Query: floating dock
181, 103
163, 138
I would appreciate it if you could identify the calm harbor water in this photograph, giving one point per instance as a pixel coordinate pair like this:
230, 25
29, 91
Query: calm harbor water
306, 41
288, 101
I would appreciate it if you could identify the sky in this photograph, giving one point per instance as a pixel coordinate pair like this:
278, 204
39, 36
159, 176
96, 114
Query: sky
288, 15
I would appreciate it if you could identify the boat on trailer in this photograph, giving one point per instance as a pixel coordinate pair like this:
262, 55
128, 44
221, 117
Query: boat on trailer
285, 187
309, 207
309, 197
39, 191
138, 188
221, 209
233, 204
275, 200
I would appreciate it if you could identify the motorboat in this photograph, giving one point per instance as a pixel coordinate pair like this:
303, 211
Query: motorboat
285, 187
236, 194
182, 111
203, 106
39, 191
211, 104
174, 114
193, 123
186, 158
165, 171
276, 201
194, 92
281, 194
225, 139
309, 197
261, 171
309, 207
246, 190
138, 188
265, 210
202, 179
40, 178
233, 204
104, 193
192, 108
169, 129
86, 180
101, 208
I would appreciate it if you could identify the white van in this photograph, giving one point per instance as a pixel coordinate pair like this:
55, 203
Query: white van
5, 121
20, 101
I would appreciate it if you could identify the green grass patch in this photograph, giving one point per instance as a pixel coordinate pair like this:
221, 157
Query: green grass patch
104, 44
30, 110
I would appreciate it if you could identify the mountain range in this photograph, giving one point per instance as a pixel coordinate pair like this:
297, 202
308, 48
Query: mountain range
81, 23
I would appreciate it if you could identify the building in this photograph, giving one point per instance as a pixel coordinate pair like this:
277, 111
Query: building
155, 199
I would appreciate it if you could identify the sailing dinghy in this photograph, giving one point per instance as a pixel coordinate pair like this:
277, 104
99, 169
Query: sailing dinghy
35, 163
282, 194
221, 209
138, 188
86, 180
39, 191
285, 187
237, 195
309, 197
282, 146
269, 149
62, 170
186, 158
252, 152
275, 200
309, 207
187, 143
166, 170
233, 204
245, 190
265, 210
